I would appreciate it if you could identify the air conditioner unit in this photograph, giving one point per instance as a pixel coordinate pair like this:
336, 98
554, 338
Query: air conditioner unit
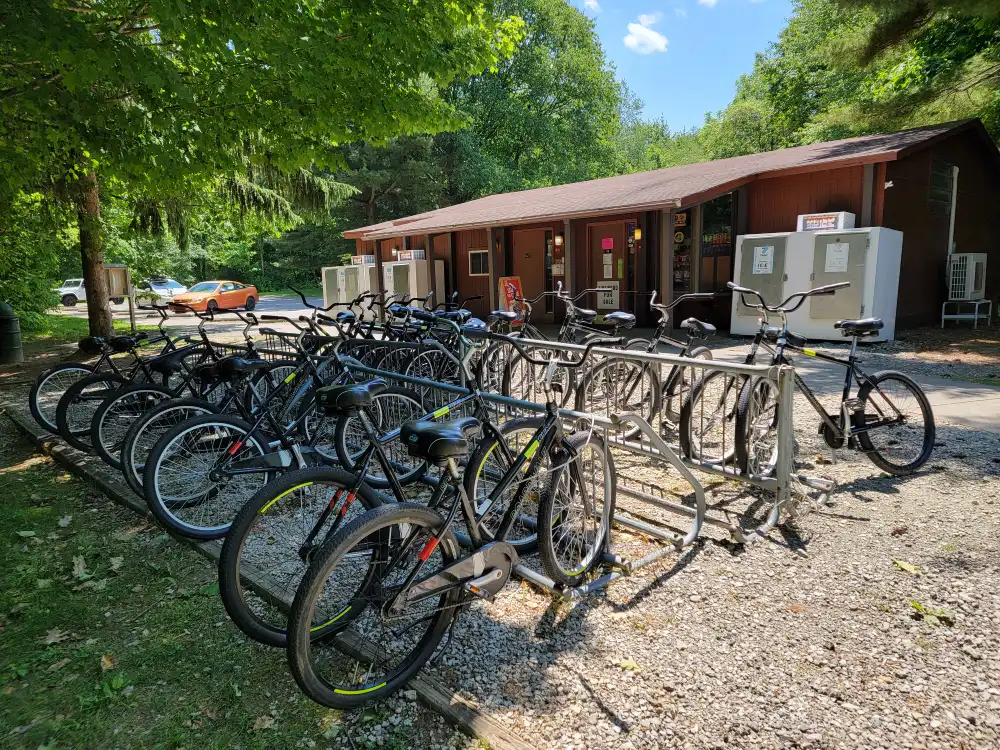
966, 276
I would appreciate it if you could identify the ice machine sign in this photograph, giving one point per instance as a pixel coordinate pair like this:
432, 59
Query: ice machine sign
763, 259
837, 254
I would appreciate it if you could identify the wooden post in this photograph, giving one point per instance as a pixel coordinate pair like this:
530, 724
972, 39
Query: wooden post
131, 297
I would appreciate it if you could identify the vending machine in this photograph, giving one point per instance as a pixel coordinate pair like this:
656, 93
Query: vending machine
780, 264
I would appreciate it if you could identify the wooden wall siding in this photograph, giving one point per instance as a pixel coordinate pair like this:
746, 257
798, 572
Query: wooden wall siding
775, 203
442, 252
470, 286
388, 246
925, 234
364, 247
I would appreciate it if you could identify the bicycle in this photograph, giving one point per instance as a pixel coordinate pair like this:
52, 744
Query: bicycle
890, 420
385, 588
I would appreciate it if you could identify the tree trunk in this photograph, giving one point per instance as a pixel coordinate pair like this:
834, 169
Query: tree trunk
88, 213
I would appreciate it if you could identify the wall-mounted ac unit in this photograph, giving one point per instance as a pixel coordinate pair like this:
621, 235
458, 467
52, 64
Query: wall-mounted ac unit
966, 276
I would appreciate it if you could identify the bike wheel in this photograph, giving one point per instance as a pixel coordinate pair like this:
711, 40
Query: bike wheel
76, 408
433, 365
268, 547
575, 512
679, 384
618, 386
389, 410
708, 418
182, 482
48, 388
898, 422
149, 428
757, 428
369, 652
488, 465
117, 413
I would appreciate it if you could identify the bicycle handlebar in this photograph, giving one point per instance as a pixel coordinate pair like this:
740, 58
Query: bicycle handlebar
783, 307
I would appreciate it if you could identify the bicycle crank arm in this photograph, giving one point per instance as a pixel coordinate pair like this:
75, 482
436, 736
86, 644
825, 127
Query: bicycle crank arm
477, 567
282, 459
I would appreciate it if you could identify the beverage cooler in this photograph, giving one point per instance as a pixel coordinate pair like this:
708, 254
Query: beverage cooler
413, 277
780, 264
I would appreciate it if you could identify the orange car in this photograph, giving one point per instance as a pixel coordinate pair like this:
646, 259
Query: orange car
213, 295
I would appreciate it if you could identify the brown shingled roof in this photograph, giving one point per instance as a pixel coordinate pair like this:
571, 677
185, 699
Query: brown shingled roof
663, 188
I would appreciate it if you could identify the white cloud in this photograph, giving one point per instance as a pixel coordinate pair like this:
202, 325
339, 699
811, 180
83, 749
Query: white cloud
592, 5
708, 3
644, 40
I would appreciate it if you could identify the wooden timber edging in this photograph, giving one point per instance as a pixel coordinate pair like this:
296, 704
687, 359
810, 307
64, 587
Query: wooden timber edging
463, 713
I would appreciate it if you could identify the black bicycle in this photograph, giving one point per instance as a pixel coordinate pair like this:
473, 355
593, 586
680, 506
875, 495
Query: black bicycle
890, 419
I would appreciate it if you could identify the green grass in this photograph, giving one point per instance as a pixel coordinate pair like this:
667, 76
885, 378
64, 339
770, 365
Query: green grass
307, 289
114, 636
63, 328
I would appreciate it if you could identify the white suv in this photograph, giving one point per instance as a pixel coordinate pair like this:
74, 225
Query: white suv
72, 291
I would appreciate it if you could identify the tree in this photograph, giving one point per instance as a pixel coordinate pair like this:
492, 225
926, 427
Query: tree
167, 98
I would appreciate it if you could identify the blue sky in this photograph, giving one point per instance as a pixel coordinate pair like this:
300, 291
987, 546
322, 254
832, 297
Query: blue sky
682, 57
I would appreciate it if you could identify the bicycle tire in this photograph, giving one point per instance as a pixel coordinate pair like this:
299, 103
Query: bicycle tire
612, 369
693, 409
78, 404
757, 428
554, 519
114, 416
475, 469
262, 614
679, 382
301, 643
351, 440
149, 428
223, 505
877, 455
48, 388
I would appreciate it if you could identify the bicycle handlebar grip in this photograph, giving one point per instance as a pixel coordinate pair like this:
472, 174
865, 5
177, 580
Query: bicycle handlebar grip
274, 317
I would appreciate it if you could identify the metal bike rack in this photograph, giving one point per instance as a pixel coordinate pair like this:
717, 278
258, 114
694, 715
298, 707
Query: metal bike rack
645, 439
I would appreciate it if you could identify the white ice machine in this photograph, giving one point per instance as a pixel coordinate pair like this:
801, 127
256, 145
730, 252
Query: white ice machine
780, 264
343, 284
413, 277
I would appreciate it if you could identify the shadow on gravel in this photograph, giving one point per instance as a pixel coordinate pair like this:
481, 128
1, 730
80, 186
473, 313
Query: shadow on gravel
657, 583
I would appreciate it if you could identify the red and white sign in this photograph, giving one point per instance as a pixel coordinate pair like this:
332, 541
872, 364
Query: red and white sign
510, 289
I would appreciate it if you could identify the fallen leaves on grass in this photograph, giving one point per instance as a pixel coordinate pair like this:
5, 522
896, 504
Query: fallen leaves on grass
930, 615
263, 722
43, 583
116, 563
107, 662
80, 568
65, 521
59, 665
25, 534
54, 636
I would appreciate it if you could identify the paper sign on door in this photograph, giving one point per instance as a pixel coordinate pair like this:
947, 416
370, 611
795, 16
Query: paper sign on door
763, 259
837, 254
607, 299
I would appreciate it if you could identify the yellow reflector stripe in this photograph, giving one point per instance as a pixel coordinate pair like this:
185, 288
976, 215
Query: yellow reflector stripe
286, 492
809, 352
358, 692
531, 450
441, 412
291, 377
330, 622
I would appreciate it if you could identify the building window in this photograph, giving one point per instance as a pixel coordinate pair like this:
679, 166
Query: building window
479, 263
942, 188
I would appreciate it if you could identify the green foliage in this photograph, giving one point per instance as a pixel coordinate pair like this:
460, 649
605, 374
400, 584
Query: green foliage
32, 248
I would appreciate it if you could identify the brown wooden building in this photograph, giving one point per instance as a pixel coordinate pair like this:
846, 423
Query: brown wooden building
674, 230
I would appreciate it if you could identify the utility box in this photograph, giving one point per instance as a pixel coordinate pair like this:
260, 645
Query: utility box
868, 258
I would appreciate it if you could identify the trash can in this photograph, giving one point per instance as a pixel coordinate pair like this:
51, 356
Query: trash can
11, 350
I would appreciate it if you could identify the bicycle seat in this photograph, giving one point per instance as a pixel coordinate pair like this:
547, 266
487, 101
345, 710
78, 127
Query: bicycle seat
474, 325
459, 316
207, 372
860, 328
507, 315
168, 364
587, 316
345, 317
91, 345
437, 442
121, 344
771, 333
341, 400
698, 328
620, 319
399, 311
231, 368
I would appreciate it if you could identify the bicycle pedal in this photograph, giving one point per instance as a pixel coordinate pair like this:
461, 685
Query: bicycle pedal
485, 585
852, 404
